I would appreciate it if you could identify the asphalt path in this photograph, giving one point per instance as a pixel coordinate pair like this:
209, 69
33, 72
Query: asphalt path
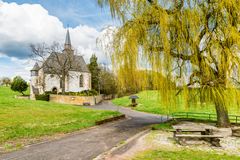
88, 144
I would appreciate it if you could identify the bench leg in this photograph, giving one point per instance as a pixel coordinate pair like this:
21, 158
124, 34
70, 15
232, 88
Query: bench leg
181, 141
215, 142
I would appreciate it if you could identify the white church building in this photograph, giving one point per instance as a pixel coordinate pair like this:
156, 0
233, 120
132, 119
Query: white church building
77, 79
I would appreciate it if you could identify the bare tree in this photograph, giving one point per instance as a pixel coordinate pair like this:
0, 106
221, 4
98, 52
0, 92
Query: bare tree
54, 60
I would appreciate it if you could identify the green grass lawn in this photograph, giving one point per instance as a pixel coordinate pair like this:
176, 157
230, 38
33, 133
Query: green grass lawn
150, 101
164, 126
182, 155
26, 119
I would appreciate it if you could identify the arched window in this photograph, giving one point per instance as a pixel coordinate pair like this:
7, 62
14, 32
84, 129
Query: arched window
54, 90
81, 81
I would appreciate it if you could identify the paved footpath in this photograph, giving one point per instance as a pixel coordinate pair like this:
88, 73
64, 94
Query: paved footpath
88, 144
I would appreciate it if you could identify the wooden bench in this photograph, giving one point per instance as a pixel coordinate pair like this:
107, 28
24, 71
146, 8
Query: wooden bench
206, 135
202, 131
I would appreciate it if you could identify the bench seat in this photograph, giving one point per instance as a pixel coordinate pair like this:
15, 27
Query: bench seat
187, 130
197, 136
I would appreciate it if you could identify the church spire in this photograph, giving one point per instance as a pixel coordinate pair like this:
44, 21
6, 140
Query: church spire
68, 44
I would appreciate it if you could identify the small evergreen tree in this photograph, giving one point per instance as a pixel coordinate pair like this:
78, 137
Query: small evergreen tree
19, 85
95, 71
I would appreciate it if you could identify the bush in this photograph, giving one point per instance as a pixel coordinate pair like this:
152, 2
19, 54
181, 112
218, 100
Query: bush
42, 97
82, 93
49, 92
89, 93
19, 85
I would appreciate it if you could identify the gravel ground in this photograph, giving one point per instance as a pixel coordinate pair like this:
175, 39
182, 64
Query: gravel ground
164, 140
229, 144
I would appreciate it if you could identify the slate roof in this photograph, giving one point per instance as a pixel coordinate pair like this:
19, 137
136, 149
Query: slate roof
35, 67
55, 60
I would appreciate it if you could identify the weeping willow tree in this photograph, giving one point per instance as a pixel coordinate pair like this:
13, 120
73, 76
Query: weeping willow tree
195, 43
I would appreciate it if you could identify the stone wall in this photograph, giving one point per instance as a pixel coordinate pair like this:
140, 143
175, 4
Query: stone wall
76, 100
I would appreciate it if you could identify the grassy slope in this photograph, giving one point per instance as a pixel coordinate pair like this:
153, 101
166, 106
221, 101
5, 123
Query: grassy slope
150, 101
182, 155
30, 119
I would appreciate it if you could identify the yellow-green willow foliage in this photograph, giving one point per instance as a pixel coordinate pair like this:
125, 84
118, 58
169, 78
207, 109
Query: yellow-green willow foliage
193, 42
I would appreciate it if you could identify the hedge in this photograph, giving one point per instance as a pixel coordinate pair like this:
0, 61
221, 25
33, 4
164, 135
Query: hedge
42, 97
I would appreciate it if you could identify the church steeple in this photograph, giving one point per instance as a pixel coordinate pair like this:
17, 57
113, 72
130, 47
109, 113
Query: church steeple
68, 44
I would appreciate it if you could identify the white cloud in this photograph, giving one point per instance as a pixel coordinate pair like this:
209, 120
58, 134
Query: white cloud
28, 23
16, 68
21, 25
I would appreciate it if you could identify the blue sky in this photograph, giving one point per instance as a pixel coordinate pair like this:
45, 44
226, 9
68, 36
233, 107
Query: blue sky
75, 12
25, 22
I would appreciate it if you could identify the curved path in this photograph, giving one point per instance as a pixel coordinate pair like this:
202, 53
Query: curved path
88, 144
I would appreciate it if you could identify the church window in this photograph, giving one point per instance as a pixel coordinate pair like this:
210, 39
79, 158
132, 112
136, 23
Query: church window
81, 81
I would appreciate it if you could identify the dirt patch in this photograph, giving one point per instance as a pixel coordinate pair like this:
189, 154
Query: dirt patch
137, 146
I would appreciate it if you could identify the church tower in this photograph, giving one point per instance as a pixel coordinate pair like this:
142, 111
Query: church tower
34, 81
67, 45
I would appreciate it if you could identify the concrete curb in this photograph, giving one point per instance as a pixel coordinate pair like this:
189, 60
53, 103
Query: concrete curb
120, 146
112, 119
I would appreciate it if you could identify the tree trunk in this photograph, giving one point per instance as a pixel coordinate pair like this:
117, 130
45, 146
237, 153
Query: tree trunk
222, 115
63, 85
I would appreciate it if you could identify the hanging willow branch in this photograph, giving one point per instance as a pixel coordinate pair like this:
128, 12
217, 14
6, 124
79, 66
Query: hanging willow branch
158, 35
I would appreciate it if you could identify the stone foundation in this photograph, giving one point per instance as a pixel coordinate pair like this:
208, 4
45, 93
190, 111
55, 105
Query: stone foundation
22, 97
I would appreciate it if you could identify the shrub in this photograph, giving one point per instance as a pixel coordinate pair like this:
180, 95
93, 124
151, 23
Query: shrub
89, 93
42, 97
49, 92
82, 93
19, 85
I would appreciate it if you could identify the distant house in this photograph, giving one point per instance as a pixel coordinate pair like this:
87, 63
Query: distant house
78, 78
